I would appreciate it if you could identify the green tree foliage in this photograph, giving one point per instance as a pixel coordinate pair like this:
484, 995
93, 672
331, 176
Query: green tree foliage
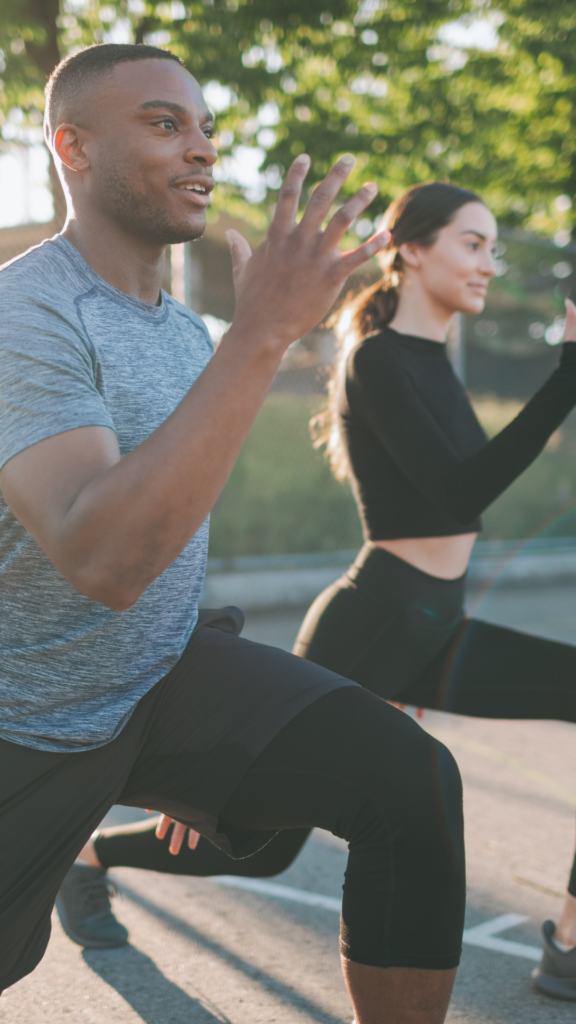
380, 78
522, 102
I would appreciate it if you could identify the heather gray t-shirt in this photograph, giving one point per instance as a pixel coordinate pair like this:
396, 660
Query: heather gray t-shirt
75, 352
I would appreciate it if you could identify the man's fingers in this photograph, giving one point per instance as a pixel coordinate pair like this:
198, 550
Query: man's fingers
347, 214
352, 260
325, 193
570, 328
193, 839
289, 197
240, 252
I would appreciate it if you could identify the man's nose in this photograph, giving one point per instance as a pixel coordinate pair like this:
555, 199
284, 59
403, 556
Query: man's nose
200, 150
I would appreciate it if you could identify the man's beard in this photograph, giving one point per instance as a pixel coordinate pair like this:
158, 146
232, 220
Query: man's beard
136, 211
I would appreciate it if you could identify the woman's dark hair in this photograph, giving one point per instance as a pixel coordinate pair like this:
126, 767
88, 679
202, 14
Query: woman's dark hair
416, 216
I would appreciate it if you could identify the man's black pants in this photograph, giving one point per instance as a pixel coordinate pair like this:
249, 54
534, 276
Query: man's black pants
273, 742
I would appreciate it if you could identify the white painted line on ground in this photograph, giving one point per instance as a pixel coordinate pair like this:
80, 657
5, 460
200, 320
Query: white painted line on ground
483, 935
280, 892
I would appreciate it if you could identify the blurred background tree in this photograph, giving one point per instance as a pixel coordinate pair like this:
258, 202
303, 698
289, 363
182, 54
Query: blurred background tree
417, 89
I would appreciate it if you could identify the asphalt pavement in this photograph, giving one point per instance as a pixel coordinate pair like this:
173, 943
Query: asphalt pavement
203, 951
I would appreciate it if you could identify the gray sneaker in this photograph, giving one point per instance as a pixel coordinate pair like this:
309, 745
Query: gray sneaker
556, 975
84, 909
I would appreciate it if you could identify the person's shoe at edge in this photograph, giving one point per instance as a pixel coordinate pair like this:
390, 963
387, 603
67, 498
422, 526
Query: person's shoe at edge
556, 974
84, 909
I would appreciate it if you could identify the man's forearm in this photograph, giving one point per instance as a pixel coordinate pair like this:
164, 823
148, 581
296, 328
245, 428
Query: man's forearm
131, 521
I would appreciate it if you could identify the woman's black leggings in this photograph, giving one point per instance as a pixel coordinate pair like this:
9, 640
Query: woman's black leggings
356, 766
402, 634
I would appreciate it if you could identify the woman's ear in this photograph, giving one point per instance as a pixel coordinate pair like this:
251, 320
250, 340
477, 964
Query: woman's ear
410, 253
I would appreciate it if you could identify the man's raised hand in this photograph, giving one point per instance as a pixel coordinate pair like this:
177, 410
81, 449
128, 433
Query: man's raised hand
288, 285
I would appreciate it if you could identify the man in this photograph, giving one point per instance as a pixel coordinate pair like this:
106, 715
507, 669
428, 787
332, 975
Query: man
117, 433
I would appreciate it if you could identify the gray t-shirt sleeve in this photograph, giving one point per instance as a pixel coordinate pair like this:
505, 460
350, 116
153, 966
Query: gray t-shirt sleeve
47, 377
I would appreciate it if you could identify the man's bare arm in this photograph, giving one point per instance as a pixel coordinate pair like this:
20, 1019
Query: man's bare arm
112, 525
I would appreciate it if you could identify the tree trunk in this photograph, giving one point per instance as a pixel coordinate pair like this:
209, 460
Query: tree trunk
46, 58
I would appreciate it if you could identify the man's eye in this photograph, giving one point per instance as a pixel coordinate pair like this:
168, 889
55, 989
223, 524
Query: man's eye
209, 133
167, 122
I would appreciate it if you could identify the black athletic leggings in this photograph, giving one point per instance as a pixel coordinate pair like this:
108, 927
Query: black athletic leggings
402, 634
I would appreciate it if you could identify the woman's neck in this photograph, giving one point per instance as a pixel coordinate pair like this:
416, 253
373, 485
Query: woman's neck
418, 314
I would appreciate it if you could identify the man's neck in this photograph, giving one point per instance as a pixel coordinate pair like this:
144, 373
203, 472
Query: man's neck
129, 264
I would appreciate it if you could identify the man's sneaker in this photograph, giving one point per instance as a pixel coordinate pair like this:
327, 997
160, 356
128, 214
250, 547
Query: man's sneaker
556, 975
84, 909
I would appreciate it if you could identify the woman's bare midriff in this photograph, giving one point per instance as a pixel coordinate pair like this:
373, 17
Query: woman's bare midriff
445, 557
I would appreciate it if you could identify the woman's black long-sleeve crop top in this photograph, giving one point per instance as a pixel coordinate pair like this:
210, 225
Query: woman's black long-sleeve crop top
420, 461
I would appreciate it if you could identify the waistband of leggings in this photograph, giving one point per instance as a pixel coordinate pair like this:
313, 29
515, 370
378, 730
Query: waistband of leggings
387, 579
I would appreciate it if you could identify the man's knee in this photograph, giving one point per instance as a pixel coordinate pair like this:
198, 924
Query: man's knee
429, 814
416, 790
430, 784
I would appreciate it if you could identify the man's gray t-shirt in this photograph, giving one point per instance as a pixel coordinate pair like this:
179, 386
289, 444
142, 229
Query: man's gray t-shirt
75, 352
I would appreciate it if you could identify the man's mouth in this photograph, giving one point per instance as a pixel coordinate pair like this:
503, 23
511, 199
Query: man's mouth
197, 191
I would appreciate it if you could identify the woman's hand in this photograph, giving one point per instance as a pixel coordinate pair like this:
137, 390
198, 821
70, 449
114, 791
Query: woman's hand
178, 833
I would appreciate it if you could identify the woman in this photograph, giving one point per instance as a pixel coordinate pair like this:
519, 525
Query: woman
401, 427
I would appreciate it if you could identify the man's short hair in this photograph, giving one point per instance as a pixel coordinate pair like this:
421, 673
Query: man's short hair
66, 85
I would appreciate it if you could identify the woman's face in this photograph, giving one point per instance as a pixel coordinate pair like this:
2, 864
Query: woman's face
456, 269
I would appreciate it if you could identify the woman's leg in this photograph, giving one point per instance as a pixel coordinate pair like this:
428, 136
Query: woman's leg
136, 846
488, 671
492, 672
354, 765
566, 927
483, 671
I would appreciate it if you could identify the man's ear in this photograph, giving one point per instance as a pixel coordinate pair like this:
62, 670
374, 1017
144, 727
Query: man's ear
69, 147
410, 254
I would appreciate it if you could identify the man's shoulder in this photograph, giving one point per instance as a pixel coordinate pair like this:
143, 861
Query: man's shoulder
38, 300
44, 275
